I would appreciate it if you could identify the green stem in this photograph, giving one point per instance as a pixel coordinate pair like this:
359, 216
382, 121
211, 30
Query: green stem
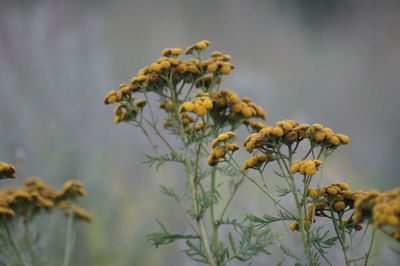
191, 182
293, 186
231, 197
339, 235
212, 214
30, 243
14, 244
69, 239
370, 247
237, 167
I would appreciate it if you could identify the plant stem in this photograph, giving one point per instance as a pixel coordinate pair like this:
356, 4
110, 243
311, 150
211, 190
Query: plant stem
370, 247
30, 244
69, 239
212, 214
339, 235
231, 197
191, 182
237, 167
292, 184
14, 244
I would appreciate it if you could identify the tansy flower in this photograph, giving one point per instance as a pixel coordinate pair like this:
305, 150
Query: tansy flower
257, 161
7, 170
308, 167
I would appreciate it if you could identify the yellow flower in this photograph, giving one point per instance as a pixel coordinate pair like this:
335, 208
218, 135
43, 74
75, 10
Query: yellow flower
212, 67
141, 103
176, 51
318, 126
7, 170
277, 131
313, 193
187, 107
111, 97
319, 136
5, 211
339, 206
225, 70
294, 226
343, 138
307, 167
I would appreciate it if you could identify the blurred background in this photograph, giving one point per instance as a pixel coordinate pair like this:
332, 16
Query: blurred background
333, 62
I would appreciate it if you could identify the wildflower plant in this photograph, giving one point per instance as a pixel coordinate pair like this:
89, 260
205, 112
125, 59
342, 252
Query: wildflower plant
21, 207
202, 117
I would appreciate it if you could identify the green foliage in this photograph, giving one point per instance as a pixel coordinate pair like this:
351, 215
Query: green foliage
158, 161
164, 237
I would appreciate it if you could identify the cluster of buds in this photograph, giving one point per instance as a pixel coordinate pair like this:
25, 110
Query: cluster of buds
156, 76
337, 196
35, 196
325, 136
267, 135
229, 107
127, 109
7, 170
221, 147
289, 131
199, 105
199, 46
383, 209
77, 212
218, 63
257, 161
307, 167
254, 125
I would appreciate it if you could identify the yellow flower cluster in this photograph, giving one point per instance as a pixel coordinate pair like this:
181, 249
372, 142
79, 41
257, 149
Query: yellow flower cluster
307, 167
171, 52
152, 77
339, 193
71, 190
290, 131
255, 126
326, 135
78, 212
257, 161
124, 93
382, 208
221, 147
220, 152
126, 111
7, 170
199, 105
35, 195
222, 138
336, 195
201, 45
231, 108
217, 63
283, 129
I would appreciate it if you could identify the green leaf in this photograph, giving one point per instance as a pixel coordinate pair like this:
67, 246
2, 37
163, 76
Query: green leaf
164, 237
159, 161
282, 190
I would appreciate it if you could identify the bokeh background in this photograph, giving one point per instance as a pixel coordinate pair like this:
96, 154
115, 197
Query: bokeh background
333, 62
